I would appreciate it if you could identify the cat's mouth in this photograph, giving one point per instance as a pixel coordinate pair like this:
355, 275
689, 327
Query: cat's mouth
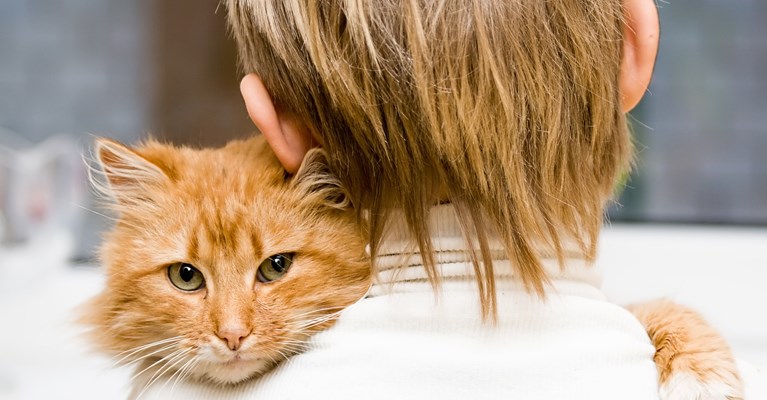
238, 359
236, 368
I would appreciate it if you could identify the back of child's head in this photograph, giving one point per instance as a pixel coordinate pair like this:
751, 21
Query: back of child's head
508, 109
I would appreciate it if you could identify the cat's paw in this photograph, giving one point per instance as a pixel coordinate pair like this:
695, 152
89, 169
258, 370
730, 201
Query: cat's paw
694, 361
686, 386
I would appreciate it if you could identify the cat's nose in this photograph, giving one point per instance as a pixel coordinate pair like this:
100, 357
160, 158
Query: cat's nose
233, 335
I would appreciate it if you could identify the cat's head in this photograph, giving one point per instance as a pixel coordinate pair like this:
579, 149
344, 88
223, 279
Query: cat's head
219, 263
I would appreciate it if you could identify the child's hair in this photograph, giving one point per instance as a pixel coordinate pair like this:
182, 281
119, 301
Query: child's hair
508, 109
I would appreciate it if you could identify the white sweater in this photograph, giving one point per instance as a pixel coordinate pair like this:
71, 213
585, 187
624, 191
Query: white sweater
405, 342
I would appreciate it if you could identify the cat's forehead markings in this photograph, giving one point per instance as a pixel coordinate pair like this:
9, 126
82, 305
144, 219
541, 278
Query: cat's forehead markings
193, 247
257, 244
221, 231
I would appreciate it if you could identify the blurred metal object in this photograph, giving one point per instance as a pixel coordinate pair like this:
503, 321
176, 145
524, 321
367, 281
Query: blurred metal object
42, 187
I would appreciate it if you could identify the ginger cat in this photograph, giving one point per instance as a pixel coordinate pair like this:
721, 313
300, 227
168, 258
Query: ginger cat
220, 266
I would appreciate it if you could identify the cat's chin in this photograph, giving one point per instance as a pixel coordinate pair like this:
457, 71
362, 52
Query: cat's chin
232, 372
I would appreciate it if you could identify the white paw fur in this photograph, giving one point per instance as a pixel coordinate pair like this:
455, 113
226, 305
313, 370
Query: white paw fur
683, 386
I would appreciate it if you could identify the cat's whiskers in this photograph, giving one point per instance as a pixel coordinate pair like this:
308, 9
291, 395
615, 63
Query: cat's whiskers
109, 218
314, 311
155, 343
293, 347
170, 361
288, 351
289, 341
176, 371
168, 343
335, 314
271, 358
307, 327
280, 346
160, 360
185, 371
146, 356
286, 357
309, 323
281, 350
170, 364
303, 321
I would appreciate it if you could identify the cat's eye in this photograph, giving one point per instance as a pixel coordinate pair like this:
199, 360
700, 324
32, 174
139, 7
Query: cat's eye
274, 267
185, 277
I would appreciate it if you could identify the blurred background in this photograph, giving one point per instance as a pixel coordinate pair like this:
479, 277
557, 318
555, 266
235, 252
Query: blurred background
126, 69
122, 69
73, 70
701, 131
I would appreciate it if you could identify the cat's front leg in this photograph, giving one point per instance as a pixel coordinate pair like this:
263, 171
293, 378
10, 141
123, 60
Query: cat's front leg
694, 361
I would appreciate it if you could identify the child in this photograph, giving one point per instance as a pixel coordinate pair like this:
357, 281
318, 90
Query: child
481, 139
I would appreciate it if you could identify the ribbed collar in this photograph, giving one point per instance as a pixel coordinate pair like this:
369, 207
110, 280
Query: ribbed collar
400, 268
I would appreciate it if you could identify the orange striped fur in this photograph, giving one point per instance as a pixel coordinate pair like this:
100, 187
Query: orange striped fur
224, 211
694, 361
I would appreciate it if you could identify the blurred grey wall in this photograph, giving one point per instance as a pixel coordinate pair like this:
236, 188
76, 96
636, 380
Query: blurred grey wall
118, 68
79, 67
74, 66
702, 129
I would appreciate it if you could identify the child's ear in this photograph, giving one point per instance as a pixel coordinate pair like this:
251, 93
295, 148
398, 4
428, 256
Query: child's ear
641, 32
289, 138
315, 178
127, 173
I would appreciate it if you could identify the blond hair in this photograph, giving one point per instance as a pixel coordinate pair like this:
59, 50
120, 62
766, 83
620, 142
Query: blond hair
508, 109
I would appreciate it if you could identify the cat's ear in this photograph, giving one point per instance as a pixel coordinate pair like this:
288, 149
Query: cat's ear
128, 174
315, 178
